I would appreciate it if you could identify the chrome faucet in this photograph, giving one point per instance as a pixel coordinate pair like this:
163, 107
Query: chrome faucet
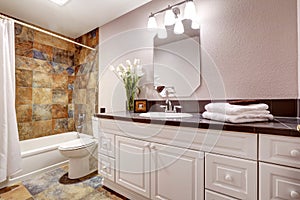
169, 107
170, 91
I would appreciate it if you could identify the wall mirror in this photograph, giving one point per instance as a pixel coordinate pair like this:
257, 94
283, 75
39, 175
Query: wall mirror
177, 59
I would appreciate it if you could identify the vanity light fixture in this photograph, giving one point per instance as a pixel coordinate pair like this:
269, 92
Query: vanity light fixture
152, 22
172, 16
162, 32
169, 17
190, 10
60, 2
178, 28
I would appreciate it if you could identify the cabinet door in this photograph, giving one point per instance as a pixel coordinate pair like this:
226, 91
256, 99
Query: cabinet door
277, 182
106, 167
176, 173
133, 165
107, 144
280, 150
231, 176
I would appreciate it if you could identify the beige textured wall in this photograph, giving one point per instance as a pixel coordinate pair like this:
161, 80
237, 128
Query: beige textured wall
249, 50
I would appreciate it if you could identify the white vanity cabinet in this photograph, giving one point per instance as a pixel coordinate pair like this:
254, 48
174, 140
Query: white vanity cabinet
279, 167
133, 165
176, 173
161, 162
159, 171
231, 176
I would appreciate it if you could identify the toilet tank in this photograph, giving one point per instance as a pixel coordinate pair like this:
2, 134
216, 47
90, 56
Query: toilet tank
96, 127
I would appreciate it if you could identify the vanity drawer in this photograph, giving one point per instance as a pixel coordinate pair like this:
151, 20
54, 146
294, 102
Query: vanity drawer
277, 182
209, 195
106, 167
280, 149
231, 176
107, 144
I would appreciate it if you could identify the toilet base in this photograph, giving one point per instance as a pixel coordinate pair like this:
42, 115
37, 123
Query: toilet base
78, 167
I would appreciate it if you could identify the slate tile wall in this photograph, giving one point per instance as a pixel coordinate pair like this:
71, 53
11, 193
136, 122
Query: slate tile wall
86, 84
44, 83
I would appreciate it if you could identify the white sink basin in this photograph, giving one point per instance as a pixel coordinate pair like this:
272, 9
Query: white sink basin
165, 115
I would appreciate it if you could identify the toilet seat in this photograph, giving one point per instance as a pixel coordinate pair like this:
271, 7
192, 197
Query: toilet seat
77, 144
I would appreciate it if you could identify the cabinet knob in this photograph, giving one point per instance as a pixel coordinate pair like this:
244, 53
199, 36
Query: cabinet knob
294, 195
147, 145
228, 177
152, 147
104, 167
295, 153
298, 128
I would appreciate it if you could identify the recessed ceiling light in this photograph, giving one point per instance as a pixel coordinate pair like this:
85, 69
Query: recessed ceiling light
60, 2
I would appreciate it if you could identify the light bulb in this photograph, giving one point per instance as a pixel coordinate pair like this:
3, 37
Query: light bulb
162, 33
178, 28
195, 25
60, 2
190, 10
152, 22
169, 18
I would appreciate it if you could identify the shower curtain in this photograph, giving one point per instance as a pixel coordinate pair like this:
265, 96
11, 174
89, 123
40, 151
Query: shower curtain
10, 156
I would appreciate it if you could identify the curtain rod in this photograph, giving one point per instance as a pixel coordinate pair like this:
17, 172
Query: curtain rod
46, 32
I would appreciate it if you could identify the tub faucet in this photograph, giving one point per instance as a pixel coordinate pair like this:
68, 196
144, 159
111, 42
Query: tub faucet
81, 117
79, 127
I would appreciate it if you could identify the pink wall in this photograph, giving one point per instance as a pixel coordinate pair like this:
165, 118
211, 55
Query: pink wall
249, 47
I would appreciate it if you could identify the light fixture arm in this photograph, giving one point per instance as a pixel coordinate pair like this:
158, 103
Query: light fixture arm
172, 16
169, 7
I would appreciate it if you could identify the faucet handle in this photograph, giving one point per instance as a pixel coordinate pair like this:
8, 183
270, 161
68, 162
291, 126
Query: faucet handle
177, 107
164, 107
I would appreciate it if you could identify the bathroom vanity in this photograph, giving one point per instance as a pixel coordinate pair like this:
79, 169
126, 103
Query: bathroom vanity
194, 159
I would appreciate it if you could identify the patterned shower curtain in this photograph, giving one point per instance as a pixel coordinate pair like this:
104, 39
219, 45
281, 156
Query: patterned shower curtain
10, 156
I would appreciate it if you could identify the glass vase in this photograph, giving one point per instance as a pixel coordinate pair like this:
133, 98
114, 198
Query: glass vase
130, 96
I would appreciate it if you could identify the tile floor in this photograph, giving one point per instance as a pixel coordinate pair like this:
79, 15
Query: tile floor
55, 185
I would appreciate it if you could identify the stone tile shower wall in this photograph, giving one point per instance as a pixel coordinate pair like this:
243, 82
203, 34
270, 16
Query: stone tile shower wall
46, 69
86, 84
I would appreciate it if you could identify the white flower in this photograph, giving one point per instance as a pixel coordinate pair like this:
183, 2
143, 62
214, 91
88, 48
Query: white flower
121, 68
128, 63
129, 75
136, 62
139, 71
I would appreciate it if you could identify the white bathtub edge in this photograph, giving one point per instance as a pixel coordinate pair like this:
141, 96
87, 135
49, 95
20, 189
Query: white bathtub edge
11, 181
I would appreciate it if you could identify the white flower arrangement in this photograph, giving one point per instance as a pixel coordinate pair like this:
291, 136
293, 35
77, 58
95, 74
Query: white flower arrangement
130, 75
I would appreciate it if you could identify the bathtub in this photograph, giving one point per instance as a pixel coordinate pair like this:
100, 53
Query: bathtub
42, 154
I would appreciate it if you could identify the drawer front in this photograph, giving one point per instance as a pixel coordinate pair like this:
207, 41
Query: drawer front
209, 195
280, 149
106, 167
107, 145
231, 176
277, 182
243, 145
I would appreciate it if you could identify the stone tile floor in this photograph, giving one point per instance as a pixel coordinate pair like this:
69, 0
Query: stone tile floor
55, 185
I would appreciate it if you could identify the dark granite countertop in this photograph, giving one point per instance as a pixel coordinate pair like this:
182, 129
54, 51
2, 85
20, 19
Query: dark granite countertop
280, 126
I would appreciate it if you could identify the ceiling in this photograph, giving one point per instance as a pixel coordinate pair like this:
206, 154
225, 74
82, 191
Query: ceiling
74, 19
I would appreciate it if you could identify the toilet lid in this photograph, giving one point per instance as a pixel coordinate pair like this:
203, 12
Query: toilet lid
77, 144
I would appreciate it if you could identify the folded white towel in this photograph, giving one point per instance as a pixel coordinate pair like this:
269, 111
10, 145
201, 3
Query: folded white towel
226, 108
242, 118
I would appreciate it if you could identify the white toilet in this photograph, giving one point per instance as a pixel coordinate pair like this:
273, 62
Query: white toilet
79, 151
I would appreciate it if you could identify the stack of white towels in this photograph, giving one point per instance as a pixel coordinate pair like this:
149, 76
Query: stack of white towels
226, 112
